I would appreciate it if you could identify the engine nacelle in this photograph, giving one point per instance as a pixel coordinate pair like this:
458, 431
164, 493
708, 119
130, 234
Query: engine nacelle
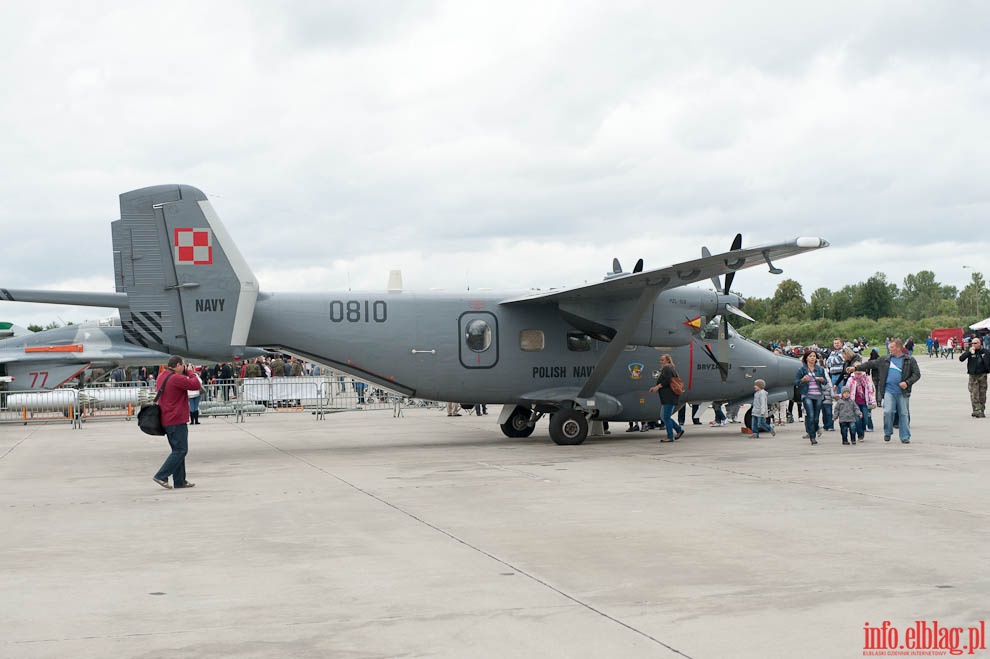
672, 320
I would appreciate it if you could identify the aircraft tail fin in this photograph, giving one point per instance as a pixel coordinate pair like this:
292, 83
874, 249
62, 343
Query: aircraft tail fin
188, 288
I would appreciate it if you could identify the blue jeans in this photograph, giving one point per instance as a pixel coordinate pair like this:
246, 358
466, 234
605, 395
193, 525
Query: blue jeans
759, 424
863, 420
175, 463
827, 422
668, 423
896, 403
719, 414
847, 428
812, 410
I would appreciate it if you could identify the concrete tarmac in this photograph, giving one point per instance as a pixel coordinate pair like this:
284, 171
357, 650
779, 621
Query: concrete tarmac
364, 535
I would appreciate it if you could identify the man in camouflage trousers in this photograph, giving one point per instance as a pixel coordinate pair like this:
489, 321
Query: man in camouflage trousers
977, 365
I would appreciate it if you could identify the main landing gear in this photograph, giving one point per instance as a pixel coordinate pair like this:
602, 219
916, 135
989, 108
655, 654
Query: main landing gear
568, 426
519, 423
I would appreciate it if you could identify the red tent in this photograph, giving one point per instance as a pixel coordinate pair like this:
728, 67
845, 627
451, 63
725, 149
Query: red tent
943, 334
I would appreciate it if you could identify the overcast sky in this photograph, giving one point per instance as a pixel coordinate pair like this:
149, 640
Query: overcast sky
502, 145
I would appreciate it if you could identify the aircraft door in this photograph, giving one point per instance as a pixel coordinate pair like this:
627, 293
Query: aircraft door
479, 339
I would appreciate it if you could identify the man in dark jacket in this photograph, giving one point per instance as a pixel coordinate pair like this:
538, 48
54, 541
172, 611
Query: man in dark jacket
977, 365
898, 372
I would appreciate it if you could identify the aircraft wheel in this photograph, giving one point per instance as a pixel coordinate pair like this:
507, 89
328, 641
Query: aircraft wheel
568, 427
518, 424
748, 418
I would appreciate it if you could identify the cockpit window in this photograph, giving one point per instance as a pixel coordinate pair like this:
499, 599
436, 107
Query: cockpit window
478, 335
578, 342
710, 330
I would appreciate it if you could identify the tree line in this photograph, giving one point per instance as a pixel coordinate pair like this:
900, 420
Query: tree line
873, 309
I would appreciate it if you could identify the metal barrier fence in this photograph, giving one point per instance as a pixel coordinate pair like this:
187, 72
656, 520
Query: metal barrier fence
322, 393
112, 401
238, 398
115, 400
58, 406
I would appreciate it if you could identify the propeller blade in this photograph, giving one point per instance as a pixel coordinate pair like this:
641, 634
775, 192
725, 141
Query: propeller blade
736, 244
639, 266
739, 312
705, 252
723, 344
723, 369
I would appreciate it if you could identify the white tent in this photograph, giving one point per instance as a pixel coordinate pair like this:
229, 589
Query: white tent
983, 324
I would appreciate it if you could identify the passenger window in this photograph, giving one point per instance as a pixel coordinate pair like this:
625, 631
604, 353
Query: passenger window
710, 330
531, 340
478, 336
578, 342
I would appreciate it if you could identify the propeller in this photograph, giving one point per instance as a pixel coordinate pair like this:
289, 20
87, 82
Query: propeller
723, 322
736, 245
617, 268
705, 253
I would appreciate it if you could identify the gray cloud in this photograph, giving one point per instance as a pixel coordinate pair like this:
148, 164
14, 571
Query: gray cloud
341, 131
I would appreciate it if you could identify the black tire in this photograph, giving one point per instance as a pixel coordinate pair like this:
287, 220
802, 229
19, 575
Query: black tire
748, 418
518, 424
568, 427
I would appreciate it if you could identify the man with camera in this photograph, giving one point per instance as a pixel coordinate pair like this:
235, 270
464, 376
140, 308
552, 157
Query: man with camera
174, 383
977, 365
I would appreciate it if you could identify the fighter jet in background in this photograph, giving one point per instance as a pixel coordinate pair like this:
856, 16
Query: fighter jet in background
38, 361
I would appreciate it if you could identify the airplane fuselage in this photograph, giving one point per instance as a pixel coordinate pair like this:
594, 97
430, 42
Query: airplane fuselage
467, 347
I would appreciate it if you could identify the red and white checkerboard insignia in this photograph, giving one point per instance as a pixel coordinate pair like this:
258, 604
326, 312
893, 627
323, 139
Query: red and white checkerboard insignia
194, 246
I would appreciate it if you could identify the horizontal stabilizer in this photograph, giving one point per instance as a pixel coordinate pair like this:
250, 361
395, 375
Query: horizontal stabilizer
75, 298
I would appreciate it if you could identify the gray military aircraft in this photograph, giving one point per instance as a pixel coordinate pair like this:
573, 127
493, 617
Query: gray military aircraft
38, 361
577, 354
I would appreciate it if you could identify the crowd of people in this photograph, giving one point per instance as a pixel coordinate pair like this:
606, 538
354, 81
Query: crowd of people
837, 386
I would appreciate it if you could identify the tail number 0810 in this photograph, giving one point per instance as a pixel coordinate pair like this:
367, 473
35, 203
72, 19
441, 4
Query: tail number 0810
358, 311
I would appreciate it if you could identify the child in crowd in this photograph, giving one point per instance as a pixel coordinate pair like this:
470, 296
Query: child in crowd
864, 394
847, 412
828, 397
761, 410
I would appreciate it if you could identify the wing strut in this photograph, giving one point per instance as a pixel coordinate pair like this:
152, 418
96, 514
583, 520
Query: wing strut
619, 341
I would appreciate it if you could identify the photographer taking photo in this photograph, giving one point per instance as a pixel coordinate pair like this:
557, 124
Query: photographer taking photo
174, 383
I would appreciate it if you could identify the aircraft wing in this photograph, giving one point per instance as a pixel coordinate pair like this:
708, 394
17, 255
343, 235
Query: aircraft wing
631, 285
